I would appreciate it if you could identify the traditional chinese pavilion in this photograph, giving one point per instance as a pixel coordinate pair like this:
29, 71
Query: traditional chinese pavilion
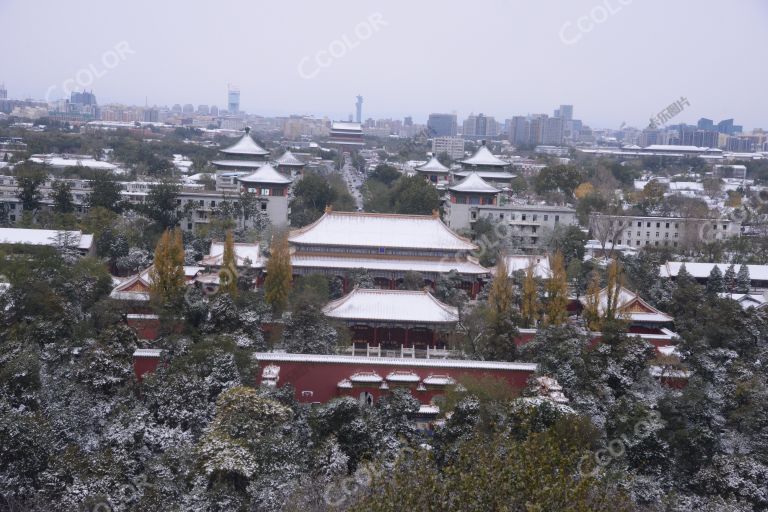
487, 166
271, 190
288, 164
434, 171
395, 322
387, 245
244, 155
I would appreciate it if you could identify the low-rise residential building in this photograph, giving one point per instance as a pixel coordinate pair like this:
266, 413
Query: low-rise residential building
453, 146
60, 239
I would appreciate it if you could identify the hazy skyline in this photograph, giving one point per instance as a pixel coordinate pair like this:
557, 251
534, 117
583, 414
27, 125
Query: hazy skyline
614, 60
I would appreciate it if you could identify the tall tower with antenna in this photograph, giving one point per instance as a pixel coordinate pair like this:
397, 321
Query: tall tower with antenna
3, 91
233, 99
359, 109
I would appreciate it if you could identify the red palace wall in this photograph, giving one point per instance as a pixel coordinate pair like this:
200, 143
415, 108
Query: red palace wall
317, 382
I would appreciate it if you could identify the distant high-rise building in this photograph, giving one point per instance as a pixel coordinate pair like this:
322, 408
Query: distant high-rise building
519, 130
233, 99
408, 121
536, 128
3, 92
552, 131
203, 110
151, 115
725, 126
359, 109
705, 124
442, 125
176, 109
479, 126
565, 112
83, 98
188, 109
214, 110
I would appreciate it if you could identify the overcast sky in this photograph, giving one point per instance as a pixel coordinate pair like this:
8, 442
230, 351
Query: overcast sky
614, 60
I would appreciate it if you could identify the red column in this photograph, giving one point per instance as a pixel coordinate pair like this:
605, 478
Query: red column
391, 284
475, 289
405, 340
375, 335
345, 286
434, 335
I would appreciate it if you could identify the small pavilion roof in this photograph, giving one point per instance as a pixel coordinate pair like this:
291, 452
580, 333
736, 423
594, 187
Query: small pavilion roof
632, 307
484, 157
243, 252
391, 305
288, 159
433, 166
265, 174
245, 146
474, 183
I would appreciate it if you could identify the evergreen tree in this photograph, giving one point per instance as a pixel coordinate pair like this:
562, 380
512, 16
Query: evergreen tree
530, 299
105, 193
309, 332
29, 190
614, 284
277, 285
62, 197
743, 282
228, 272
715, 283
167, 272
361, 278
557, 292
729, 280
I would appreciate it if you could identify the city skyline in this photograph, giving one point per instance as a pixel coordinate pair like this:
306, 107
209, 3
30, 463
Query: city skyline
292, 65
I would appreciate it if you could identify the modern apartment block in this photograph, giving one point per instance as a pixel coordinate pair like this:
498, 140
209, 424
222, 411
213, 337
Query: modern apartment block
645, 231
454, 146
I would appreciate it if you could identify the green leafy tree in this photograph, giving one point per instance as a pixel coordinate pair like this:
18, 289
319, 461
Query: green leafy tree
105, 193
29, 190
228, 272
167, 274
162, 204
277, 285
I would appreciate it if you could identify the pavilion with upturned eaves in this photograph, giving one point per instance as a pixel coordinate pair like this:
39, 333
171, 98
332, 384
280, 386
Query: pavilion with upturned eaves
388, 246
395, 322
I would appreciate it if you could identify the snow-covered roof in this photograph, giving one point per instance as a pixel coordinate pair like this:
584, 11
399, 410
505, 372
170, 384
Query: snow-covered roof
394, 361
148, 352
381, 230
468, 266
439, 380
433, 166
47, 237
702, 270
192, 270
484, 157
245, 146
401, 376
134, 288
391, 305
632, 306
289, 159
348, 126
344, 384
365, 377
746, 300
520, 262
474, 183
429, 409
57, 161
243, 251
265, 174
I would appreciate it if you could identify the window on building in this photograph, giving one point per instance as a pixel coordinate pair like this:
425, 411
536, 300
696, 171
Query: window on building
557, 219
546, 218
674, 244
639, 224
522, 217
202, 203
649, 225
263, 206
657, 234
676, 225
666, 235
189, 225
265, 191
656, 243
714, 226
535, 217
647, 242
658, 224
638, 242
647, 234
213, 204
638, 233
178, 201
474, 215
618, 242
667, 225
675, 235
725, 226
501, 216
